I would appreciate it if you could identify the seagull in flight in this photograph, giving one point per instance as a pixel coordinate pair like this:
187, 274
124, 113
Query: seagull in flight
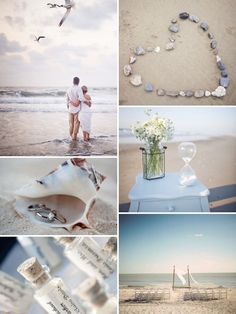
54, 5
68, 5
38, 38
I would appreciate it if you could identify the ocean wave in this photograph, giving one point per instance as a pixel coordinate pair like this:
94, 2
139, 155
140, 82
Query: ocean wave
45, 92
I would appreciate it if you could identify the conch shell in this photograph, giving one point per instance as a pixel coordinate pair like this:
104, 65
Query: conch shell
69, 191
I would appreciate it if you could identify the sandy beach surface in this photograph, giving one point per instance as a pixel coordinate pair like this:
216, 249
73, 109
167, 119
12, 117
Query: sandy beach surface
15, 173
214, 163
175, 305
46, 134
191, 65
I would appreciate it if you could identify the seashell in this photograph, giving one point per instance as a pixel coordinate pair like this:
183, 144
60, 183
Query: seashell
220, 91
132, 60
127, 70
66, 192
157, 49
136, 80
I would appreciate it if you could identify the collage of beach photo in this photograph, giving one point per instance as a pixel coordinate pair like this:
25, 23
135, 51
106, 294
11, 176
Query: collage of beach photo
118, 157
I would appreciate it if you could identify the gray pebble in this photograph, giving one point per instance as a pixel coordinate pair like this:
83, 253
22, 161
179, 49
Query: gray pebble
174, 28
172, 93
148, 87
213, 44
194, 18
216, 51
224, 73
199, 93
204, 26
224, 81
210, 35
184, 15
161, 92
221, 65
189, 93
174, 21
139, 51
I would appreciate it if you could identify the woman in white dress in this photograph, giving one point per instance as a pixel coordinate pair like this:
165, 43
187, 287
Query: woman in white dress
86, 115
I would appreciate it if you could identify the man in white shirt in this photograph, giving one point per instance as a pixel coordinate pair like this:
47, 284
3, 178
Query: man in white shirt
74, 97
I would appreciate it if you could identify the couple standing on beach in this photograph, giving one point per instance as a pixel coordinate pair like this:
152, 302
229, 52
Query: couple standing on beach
79, 108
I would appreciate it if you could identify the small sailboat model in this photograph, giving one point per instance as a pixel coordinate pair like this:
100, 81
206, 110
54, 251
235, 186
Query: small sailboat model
63, 197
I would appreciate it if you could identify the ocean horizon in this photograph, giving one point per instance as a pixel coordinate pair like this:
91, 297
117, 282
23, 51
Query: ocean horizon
222, 279
127, 137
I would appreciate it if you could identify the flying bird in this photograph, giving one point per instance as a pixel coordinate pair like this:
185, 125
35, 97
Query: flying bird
38, 38
68, 5
54, 5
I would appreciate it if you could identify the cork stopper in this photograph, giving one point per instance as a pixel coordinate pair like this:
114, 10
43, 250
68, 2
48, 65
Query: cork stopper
65, 240
33, 271
111, 246
91, 290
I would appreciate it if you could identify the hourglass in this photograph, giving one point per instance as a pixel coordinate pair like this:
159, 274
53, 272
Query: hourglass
187, 151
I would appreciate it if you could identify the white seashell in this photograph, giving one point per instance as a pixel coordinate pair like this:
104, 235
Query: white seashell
157, 49
136, 80
218, 58
182, 93
207, 93
219, 92
132, 60
69, 190
127, 70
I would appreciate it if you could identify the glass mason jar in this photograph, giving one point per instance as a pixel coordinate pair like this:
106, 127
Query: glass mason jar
153, 159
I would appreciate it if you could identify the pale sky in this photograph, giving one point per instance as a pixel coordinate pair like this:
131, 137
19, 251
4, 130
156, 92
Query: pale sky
154, 243
84, 46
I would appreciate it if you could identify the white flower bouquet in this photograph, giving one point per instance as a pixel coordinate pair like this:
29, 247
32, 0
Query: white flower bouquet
153, 132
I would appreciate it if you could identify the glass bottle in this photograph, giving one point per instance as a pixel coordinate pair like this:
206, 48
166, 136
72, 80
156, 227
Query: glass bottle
94, 292
88, 256
51, 293
15, 297
110, 248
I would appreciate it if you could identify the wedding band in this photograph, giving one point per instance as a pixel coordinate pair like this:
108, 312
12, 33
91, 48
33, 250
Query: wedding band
35, 207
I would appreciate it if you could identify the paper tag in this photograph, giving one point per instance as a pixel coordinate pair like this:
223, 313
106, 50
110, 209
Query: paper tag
88, 255
55, 298
14, 295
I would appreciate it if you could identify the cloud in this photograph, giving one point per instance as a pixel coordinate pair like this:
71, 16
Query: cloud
7, 46
15, 21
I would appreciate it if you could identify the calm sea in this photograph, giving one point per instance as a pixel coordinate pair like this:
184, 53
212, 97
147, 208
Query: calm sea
46, 99
221, 279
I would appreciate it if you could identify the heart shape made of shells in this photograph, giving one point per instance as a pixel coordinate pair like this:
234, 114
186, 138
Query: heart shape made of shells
136, 79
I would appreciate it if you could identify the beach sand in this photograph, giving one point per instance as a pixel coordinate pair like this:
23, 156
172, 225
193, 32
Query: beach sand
46, 134
175, 306
191, 65
17, 172
214, 163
